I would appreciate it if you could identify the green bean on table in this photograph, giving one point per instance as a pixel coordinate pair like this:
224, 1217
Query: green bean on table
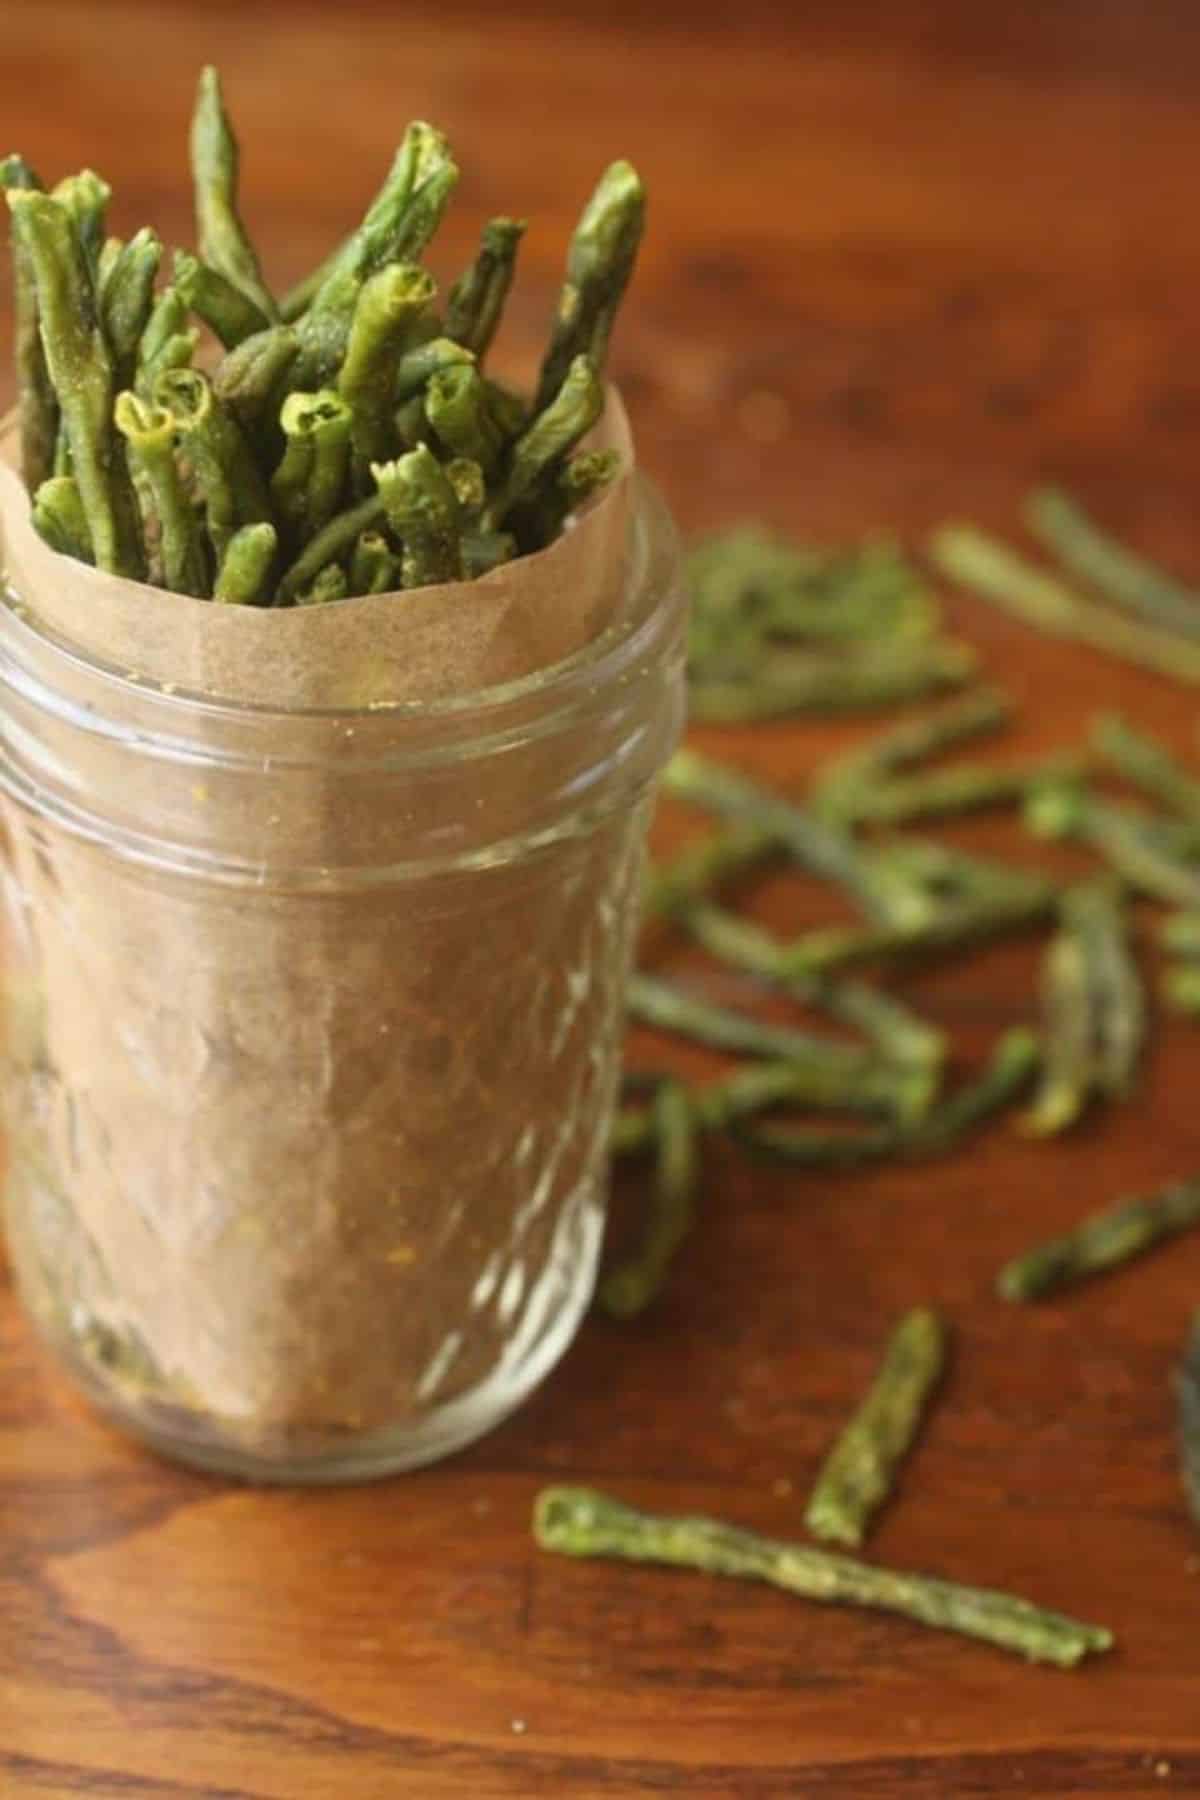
1102, 1242
584, 1522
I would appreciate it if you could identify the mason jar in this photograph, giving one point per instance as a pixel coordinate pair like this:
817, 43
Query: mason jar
312, 1031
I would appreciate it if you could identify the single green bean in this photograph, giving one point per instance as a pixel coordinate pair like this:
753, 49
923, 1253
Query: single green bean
992, 569
476, 300
126, 299
224, 308
223, 239
85, 197
1095, 911
250, 379
226, 473
705, 868
308, 485
913, 741
106, 262
860, 1471
422, 362
599, 264
1108, 566
1069, 1028
822, 848
556, 430
1102, 1242
423, 513
1148, 763
373, 565
626, 1289
896, 1032
388, 305
149, 432
80, 368
583, 1522
336, 540
243, 578
166, 343
35, 390
1142, 850
946, 793
458, 409
467, 480
59, 518
670, 1008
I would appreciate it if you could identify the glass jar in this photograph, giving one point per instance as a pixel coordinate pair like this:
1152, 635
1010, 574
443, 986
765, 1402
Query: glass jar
312, 1033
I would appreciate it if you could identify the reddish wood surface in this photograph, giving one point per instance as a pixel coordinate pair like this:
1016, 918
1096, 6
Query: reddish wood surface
963, 251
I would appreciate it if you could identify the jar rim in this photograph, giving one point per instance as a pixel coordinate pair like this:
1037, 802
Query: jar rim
651, 557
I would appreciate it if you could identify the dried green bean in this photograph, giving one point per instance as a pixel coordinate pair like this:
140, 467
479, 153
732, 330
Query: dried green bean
467, 480
223, 239
896, 1032
476, 300
858, 1474
1102, 1242
166, 343
126, 299
1110, 567
373, 566
556, 430
1151, 854
898, 748
1095, 911
250, 379
422, 362
945, 793
389, 304
961, 926
243, 578
599, 264
458, 409
626, 1289
670, 1008
59, 518
1188, 1389
423, 513
994, 570
1148, 763
224, 308
583, 1522
149, 432
818, 846
80, 368
85, 197
1068, 1039
1009, 1071
35, 390
334, 541
307, 486
227, 475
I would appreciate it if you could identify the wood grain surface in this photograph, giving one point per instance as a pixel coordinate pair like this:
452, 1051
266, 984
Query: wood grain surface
904, 258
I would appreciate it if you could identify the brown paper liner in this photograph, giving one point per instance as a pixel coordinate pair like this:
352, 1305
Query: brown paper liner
426, 644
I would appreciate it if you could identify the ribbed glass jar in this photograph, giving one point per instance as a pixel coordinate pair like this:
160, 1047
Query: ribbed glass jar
312, 1029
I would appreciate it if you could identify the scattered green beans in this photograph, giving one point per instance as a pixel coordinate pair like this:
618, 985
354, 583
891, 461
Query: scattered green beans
670, 1008
1102, 1242
1148, 853
858, 1474
814, 684
583, 1522
913, 741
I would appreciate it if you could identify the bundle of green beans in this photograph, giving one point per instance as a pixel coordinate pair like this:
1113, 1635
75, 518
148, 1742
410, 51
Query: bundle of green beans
349, 440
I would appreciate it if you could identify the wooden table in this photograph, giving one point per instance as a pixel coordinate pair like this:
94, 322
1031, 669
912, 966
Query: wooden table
902, 262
